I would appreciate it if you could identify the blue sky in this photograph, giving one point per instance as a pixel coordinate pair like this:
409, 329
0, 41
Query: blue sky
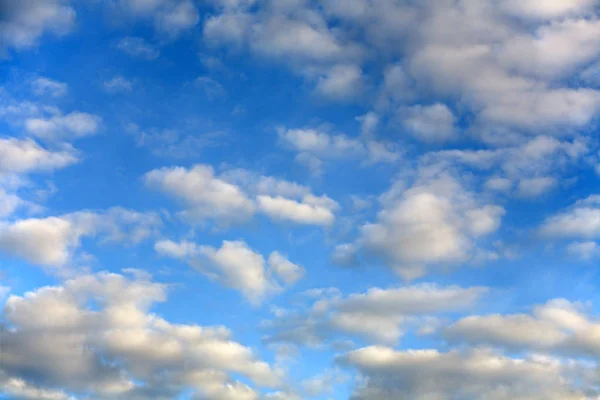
281, 200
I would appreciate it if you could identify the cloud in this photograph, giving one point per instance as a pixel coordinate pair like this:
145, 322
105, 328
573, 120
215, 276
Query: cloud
78, 347
378, 315
212, 89
432, 124
584, 250
237, 266
52, 241
25, 155
559, 326
205, 195
289, 272
434, 222
117, 84
25, 22
341, 82
63, 127
45, 86
236, 195
314, 146
475, 374
304, 213
138, 47
525, 170
508, 64
581, 220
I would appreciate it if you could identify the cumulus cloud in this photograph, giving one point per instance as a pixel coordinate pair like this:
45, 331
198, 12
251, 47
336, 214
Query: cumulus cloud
237, 266
63, 127
558, 326
432, 124
118, 349
236, 195
526, 170
25, 155
341, 82
306, 212
378, 315
435, 222
25, 22
581, 220
52, 241
505, 64
314, 146
475, 374
205, 195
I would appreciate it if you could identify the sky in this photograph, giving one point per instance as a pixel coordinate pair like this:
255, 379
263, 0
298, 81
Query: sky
296, 199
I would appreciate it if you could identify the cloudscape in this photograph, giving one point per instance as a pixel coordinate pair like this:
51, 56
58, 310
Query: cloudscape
299, 199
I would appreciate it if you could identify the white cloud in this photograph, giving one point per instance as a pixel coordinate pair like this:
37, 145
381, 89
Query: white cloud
138, 47
175, 19
117, 84
237, 266
475, 374
584, 250
314, 146
557, 326
235, 196
54, 328
24, 22
58, 127
286, 270
292, 210
534, 187
379, 315
205, 195
434, 222
52, 241
581, 220
341, 82
45, 86
432, 124
25, 155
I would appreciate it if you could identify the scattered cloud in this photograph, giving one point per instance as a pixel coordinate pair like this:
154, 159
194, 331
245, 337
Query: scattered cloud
237, 266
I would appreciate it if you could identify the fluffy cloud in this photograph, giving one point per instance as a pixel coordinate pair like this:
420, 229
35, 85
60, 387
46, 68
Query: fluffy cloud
313, 146
52, 241
230, 197
581, 220
379, 315
559, 326
505, 63
25, 155
308, 212
341, 82
433, 124
475, 374
205, 195
237, 266
525, 170
434, 222
24, 22
63, 127
118, 349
